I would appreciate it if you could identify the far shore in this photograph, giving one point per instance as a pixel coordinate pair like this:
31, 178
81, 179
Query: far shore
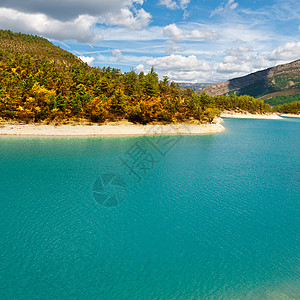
246, 115
114, 129
290, 115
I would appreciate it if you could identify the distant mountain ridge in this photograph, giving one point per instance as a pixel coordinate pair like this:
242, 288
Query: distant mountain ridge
258, 84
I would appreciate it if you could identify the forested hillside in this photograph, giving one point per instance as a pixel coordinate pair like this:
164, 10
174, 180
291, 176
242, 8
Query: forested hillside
282, 97
40, 82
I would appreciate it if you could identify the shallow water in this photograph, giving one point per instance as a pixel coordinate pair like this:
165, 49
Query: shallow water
185, 217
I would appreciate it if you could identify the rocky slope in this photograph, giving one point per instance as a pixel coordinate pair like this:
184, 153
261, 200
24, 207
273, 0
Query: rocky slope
260, 83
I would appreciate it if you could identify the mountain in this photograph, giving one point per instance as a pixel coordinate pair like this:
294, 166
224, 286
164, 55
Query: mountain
263, 83
40, 82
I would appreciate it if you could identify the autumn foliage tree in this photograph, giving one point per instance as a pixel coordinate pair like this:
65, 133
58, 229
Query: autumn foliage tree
50, 84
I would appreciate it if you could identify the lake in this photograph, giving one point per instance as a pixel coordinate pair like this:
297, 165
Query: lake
165, 217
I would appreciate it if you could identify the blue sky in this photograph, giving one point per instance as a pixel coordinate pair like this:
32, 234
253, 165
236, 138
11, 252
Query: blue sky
187, 40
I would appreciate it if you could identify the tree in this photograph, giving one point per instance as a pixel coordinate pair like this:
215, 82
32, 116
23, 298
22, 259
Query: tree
151, 83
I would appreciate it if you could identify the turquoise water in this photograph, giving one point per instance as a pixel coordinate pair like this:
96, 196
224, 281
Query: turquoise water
198, 217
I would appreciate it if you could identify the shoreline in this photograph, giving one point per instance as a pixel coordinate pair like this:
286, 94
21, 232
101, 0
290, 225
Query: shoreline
114, 130
123, 129
290, 115
246, 115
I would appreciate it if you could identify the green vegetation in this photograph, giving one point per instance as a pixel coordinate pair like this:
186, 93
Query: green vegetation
285, 96
284, 80
36, 46
257, 89
288, 108
263, 88
40, 82
245, 102
278, 100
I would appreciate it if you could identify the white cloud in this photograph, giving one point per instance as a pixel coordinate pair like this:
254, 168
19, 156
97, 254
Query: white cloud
245, 34
186, 14
117, 54
87, 59
229, 59
79, 29
179, 62
59, 20
284, 10
287, 10
240, 51
174, 48
261, 63
245, 49
244, 46
133, 20
169, 4
185, 76
175, 34
172, 4
184, 3
233, 66
230, 5
69, 9
206, 35
289, 51
242, 61
140, 36
140, 68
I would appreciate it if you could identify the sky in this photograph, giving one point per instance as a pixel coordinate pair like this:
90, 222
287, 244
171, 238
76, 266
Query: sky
186, 40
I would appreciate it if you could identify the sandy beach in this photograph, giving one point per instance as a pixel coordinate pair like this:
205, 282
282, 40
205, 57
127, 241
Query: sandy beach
130, 129
246, 115
290, 115
109, 130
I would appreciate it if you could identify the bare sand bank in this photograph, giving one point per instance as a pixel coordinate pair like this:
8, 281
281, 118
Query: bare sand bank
127, 129
246, 115
130, 129
290, 115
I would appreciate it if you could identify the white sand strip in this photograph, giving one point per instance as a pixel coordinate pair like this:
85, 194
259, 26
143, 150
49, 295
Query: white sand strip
250, 116
108, 130
290, 115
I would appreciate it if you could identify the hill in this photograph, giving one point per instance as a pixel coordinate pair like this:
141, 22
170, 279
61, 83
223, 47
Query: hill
284, 77
40, 82
35, 46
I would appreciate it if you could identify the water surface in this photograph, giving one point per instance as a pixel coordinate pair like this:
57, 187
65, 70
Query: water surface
203, 217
